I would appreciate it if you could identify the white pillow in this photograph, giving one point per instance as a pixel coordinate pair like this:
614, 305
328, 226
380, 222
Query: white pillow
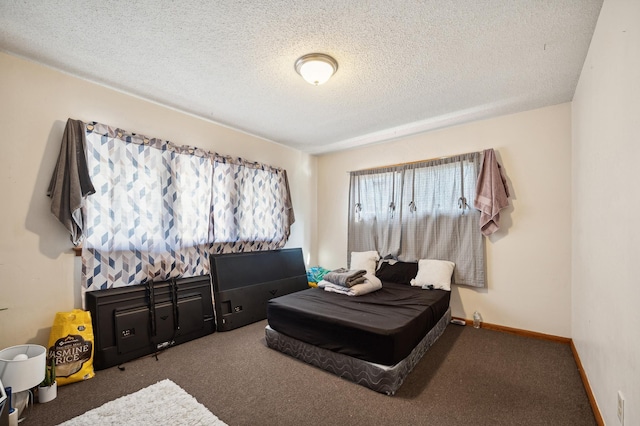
367, 260
434, 272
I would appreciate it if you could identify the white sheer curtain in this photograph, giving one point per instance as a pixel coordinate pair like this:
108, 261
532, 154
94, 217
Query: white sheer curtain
376, 211
432, 218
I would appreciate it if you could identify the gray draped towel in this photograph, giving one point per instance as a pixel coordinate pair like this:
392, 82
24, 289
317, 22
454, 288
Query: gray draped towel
492, 193
71, 183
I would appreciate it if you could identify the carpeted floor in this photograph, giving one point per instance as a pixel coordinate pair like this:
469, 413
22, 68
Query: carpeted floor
468, 377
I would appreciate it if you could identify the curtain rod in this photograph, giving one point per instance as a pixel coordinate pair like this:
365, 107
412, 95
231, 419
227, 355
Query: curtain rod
411, 162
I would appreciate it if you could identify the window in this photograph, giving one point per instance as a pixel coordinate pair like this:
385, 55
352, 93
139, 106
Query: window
158, 209
251, 206
420, 211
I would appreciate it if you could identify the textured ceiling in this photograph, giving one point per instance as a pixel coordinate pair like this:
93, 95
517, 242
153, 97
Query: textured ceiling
404, 66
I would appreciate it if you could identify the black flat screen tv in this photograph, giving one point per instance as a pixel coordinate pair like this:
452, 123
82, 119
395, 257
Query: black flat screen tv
130, 322
243, 283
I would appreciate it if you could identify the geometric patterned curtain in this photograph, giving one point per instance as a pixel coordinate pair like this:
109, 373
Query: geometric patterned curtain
420, 210
251, 209
159, 210
149, 217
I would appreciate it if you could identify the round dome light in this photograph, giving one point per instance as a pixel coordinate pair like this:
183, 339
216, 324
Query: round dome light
316, 68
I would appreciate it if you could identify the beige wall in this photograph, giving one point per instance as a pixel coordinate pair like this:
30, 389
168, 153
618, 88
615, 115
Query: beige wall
606, 206
39, 275
528, 260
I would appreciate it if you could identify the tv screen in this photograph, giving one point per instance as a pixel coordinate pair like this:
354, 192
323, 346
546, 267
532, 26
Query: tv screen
243, 283
130, 322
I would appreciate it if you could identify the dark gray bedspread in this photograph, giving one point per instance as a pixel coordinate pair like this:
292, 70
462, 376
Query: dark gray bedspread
381, 327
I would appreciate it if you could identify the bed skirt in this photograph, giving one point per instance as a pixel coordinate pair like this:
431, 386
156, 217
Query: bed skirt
380, 378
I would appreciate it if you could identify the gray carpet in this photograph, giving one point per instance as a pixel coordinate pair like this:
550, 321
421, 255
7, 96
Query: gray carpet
468, 377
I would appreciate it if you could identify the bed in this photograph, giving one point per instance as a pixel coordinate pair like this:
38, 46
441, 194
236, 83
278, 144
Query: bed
374, 340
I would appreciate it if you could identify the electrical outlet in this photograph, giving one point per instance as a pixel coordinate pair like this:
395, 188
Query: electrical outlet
621, 408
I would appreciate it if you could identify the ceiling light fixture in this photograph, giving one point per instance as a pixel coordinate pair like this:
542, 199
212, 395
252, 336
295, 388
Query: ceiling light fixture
316, 68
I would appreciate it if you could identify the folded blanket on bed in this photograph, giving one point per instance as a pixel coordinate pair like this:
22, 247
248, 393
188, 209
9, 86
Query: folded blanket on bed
371, 284
345, 277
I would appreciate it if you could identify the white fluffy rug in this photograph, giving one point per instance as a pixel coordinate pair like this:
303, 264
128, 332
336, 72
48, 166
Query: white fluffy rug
164, 403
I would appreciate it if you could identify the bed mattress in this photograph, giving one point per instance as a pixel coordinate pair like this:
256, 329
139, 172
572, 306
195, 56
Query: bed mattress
380, 378
382, 327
